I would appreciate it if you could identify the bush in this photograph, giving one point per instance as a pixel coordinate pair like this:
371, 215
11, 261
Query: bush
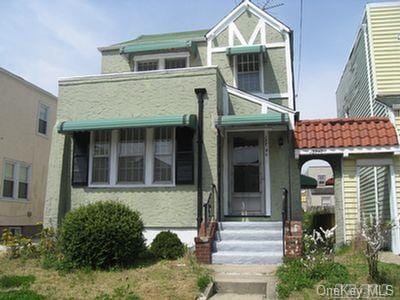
102, 235
18, 246
167, 245
203, 281
14, 281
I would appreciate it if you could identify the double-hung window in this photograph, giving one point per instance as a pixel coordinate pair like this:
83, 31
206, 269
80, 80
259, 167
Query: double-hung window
162, 61
133, 157
248, 72
15, 180
175, 63
43, 117
147, 65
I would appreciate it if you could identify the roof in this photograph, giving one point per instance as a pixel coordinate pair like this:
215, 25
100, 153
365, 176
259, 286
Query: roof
27, 83
345, 132
195, 35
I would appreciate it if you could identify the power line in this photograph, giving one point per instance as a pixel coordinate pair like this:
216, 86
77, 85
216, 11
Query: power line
300, 44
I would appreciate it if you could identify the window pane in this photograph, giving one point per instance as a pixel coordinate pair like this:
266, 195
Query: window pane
43, 117
131, 152
248, 66
163, 155
9, 171
23, 174
147, 65
100, 170
42, 126
43, 112
101, 160
8, 188
22, 190
175, 63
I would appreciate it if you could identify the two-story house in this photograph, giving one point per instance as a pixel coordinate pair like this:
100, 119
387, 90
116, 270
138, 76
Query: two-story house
184, 127
27, 117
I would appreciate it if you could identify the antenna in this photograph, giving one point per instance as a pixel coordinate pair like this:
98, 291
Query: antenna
268, 4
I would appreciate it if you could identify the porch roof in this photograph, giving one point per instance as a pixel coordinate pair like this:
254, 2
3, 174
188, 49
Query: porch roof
156, 121
308, 182
256, 119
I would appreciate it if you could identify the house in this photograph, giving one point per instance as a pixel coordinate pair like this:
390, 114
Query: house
186, 127
323, 195
27, 116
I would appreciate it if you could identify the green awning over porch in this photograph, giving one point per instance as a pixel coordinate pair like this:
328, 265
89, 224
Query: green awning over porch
245, 49
157, 46
157, 121
307, 182
256, 119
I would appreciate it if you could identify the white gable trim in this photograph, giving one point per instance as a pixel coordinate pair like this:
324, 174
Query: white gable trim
234, 14
346, 151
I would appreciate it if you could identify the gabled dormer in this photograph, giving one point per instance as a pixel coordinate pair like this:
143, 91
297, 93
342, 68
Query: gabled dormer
253, 51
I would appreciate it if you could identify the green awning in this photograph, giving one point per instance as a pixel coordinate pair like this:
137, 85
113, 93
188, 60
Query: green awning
157, 121
307, 182
256, 119
157, 46
245, 49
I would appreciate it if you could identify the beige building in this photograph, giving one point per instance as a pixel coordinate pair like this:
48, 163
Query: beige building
27, 116
323, 194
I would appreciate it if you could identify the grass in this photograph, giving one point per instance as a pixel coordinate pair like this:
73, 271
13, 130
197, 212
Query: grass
175, 279
357, 266
13, 281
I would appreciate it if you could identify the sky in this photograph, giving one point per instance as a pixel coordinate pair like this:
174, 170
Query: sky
44, 40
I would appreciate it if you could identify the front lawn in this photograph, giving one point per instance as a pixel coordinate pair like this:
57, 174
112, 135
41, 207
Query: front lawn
356, 264
175, 279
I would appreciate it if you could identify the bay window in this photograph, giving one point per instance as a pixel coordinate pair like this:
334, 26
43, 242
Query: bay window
132, 157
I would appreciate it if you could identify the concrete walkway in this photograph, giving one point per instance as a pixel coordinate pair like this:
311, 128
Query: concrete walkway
389, 257
244, 282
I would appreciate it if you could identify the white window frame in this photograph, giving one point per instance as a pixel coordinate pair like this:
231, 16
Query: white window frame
161, 59
41, 104
17, 165
261, 70
148, 163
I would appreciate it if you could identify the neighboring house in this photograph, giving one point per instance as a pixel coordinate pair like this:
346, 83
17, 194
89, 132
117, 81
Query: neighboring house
132, 134
323, 195
27, 117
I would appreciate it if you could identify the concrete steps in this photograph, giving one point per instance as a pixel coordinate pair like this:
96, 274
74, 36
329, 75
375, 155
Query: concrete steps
248, 243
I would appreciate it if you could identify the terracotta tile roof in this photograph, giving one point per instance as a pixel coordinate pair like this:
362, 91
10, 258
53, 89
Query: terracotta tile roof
345, 132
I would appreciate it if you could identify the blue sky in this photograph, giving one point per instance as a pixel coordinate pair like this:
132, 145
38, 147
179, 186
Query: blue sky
45, 40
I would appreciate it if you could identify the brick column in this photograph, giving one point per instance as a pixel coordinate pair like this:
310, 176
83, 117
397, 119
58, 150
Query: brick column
204, 243
293, 239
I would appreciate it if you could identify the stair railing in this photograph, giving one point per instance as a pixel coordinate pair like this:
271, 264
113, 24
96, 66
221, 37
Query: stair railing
208, 211
284, 215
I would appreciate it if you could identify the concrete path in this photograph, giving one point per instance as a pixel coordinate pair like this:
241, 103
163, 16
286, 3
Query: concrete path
389, 257
250, 282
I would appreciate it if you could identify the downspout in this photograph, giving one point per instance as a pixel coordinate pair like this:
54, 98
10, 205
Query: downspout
200, 92
219, 166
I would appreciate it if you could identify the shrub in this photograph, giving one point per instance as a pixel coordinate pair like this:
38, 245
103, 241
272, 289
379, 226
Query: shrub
18, 246
102, 235
167, 245
203, 281
13, 281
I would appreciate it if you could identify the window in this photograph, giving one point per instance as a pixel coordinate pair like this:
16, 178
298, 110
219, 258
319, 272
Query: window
248, 72
101, 156
148, 65
8, 182
43, 118
15, 180
175, 63
133, 157
321, 179
163, 155
16, 230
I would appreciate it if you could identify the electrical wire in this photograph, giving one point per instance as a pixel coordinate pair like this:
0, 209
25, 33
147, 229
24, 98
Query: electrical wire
300, 46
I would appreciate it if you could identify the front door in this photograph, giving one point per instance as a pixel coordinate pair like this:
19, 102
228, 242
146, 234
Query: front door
246, 174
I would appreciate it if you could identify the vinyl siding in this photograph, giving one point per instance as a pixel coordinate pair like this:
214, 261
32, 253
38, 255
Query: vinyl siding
384, 30
350, 197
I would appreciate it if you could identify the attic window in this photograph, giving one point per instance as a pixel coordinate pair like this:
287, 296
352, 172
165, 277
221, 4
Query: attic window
248, 72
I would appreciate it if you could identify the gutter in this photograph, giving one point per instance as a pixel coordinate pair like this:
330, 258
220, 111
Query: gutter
200, 92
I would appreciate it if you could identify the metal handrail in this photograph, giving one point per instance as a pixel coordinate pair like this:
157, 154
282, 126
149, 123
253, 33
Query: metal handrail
284, 214
207, 205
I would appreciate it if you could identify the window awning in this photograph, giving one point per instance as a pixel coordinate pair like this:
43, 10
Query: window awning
157, 121
157, 46
256, 119
245, 49
307, 182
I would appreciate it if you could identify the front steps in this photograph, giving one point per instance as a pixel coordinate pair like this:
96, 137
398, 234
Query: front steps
248, 243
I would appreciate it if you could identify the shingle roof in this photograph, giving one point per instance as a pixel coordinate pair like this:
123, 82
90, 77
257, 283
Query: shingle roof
172, 36
345, 132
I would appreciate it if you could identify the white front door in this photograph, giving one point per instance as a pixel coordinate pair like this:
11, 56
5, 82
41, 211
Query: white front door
246, 174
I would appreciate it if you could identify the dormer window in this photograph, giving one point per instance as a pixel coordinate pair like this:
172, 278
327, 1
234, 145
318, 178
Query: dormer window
162, 61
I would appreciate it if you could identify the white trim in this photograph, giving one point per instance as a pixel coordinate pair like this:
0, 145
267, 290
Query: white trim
257, 30
226, 173
358, 195
371, 51
269, 96
148, 163
16, 169
263, 35
383, 4
367, 57
376, 191
268, 46
289, 72
225, 101
394, 212
186, 235
343, 203
267, 175
350, 150
374, 162
235, 72
236, 33
262, 83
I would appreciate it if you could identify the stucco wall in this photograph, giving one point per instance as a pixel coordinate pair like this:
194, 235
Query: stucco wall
158, 93
275, 75
240, 106
20, 141
114, 62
